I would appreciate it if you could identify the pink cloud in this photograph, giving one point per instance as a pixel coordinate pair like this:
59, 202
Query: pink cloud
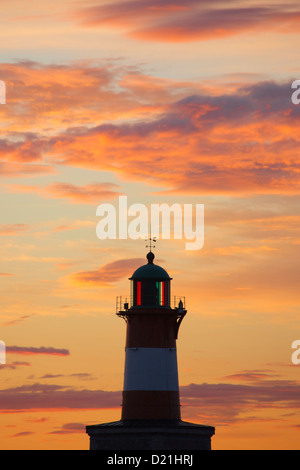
215, 404
40, 396
178, 21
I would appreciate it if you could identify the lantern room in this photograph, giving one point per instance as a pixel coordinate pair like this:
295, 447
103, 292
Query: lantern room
150, 285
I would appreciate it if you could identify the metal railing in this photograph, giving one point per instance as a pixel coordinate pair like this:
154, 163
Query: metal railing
125, 302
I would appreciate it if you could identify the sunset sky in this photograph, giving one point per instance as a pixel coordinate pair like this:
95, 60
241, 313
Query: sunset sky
165, 101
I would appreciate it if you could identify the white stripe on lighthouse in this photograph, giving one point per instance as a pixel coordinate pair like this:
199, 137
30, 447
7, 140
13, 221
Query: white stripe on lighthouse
151, 369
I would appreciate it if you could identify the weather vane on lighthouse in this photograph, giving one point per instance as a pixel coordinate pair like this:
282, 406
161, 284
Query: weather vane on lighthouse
152, 241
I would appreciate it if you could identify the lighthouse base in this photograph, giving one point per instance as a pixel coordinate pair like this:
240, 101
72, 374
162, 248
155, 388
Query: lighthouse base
150, 435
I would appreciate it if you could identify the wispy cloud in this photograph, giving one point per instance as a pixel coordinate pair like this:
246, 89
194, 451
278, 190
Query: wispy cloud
229, 403
179, 21
17, 320
79, 375
25, 350
32, 397
22, 434
14, 365
224, 403
86, 194
252, 376
70, 428
13, 229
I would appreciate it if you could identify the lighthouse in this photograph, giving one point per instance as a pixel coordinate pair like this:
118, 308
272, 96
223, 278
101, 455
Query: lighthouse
151, 412
151, 387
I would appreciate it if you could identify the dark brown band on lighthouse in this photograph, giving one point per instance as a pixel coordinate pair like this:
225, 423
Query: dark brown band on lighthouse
146, 404
153, 328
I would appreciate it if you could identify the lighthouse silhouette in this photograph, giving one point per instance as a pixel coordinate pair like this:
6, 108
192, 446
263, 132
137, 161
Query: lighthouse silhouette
151, 416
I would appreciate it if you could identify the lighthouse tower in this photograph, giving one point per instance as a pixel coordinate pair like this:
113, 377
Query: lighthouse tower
151, 417
151, 389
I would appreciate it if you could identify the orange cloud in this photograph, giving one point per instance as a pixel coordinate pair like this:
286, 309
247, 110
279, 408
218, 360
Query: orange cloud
10, 169
13, 229
87, 194
233, 140
230, 144
58, 96
108, 273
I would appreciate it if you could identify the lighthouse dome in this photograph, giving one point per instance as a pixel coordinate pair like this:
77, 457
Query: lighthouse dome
150, 271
